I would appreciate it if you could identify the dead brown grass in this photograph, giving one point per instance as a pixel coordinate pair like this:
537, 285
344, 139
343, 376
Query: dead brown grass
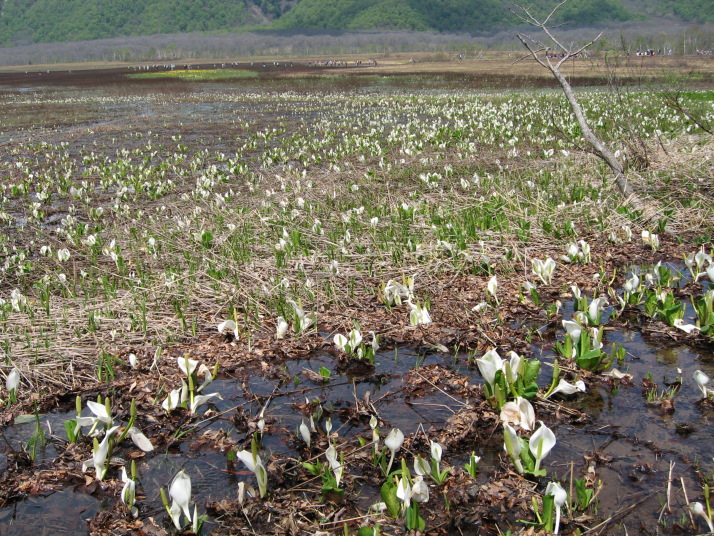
481, 63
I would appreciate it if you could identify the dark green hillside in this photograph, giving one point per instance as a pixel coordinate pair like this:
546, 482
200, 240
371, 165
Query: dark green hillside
32, 21
697, 11
443, 15
25, 21
438, 15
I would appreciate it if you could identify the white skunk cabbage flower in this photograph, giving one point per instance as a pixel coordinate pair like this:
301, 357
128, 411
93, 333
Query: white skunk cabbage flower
335, 465
574, 331
436, 451
375, 342
128, 493
492, 287
489, 364
702, 381
304, 430
568, 388
697, 509
101, 415
511, 371
13, 380
512, 445
199, 400
696, 261
404, 492
63, 255
650, 239
176, 397
480, 307
687, 328
281, 328
393, 442
373, 423
541, 443
520, 412
180, 493
140, 440
544, 270
418, 315
421, 466
192, 364
559, 499
355, 338
632, 284
616, 374
101, 452
595, 308
340, 341
228, 325
420, 490
304, 320
255, 465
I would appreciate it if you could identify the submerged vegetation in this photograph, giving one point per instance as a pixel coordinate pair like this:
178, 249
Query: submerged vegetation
157, 240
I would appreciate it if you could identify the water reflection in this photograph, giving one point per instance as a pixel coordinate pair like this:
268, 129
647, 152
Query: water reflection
60, 513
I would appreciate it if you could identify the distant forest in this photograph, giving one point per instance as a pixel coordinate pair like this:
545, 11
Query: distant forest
441, 15
23, 22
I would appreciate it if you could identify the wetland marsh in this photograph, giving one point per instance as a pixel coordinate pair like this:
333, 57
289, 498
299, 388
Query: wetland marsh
290, 264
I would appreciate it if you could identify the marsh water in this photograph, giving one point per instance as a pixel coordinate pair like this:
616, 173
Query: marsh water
634, 442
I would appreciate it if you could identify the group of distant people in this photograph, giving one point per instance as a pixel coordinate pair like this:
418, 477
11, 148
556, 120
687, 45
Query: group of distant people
555, 55
341, 63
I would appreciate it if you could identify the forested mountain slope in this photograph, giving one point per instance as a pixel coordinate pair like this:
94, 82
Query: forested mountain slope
32, 21
27, 21
439, 15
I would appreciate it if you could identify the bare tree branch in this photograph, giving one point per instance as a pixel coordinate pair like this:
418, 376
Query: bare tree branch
599, 148
534, 53
556, 8
585, 47
542, 25
522, 58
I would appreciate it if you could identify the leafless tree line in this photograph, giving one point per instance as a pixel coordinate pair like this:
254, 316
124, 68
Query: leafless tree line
166, 47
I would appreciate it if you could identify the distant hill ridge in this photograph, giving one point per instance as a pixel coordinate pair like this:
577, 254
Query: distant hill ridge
34, 21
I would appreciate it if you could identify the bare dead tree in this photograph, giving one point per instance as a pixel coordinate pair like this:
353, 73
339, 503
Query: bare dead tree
552, 55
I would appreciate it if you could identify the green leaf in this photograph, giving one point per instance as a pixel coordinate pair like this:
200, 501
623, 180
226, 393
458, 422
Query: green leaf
325, 373
531, 371
388, 492
527, 458
592, 360
69, 427
530, 391
584, 494
330, 489
314, 469
413, 520
548, 504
